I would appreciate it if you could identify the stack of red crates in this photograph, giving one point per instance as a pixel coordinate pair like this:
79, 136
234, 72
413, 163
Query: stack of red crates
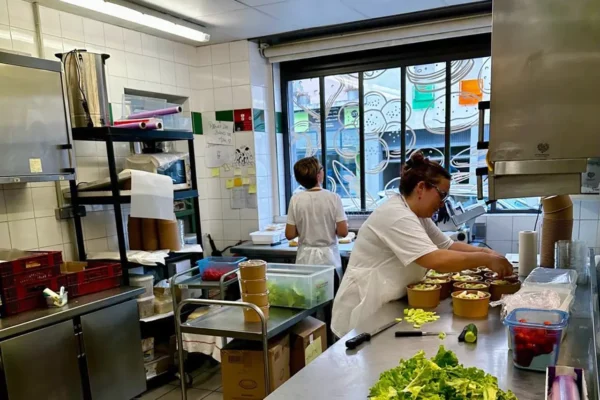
22, 280
98, 276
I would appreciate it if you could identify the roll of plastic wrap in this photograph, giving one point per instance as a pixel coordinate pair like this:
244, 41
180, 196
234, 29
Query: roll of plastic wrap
528, 249
155, 113
142, 125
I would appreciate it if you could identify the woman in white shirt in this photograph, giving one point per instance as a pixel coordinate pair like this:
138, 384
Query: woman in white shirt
316, 216
399, 242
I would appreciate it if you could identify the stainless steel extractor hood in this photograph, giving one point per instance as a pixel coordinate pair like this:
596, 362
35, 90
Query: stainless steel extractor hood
545, 99
35, 142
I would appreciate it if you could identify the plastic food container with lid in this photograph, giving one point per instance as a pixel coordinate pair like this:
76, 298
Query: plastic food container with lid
212, 268
536, 336
299, 286
145, 281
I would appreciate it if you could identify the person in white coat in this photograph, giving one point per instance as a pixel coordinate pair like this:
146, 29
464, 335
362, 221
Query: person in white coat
316, 217
399, 242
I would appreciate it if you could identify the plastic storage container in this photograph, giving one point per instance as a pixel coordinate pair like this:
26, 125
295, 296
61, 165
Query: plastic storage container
564, 280
299, 286
145, 281
267, 237
146, 306
536, 337
212, 268
17, 261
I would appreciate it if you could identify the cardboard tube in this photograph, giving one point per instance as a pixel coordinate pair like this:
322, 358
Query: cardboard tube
149, 234
134, 233
168, 235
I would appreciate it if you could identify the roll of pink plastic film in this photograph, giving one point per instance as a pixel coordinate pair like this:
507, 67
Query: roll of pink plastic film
154, 113
133, 125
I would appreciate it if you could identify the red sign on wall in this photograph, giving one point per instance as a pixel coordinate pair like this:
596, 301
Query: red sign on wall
243, 119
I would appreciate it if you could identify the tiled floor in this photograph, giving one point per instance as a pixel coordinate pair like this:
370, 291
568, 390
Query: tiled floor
206, 386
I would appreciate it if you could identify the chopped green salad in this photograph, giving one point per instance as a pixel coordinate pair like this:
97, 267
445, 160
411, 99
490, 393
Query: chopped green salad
434, 281
465, 278
424, 287
438, 378
471, 295
418, 316
471, 286
437, 274
500, 282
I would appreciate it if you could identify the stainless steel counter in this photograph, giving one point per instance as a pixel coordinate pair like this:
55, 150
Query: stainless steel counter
342, 374
35, 319
282, 250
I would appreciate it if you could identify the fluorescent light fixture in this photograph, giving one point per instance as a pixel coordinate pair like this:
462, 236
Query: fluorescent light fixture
141, 18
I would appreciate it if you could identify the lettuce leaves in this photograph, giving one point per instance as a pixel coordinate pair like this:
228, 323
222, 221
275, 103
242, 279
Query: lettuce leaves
438, 378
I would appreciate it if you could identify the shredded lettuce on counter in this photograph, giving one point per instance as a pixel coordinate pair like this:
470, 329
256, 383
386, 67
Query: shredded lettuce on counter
438, 378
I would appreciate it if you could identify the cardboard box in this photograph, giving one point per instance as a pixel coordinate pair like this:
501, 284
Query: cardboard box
308, 339
72, 266
242, 368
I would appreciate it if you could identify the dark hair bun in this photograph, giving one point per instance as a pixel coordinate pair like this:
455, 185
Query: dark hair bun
416, 159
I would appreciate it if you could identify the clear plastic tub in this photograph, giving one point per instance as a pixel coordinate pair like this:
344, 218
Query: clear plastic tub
563, 280
299, 286
212, 268
266, 237
536, 336
145, 281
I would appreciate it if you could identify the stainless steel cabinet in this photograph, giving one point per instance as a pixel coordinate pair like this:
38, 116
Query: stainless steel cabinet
43, 364
113, 352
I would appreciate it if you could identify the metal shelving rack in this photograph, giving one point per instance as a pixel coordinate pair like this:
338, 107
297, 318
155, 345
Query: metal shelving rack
228, 322
110, 135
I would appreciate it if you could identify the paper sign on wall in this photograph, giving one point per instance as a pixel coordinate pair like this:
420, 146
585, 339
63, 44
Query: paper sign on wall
217, 156
218, 132
313, 350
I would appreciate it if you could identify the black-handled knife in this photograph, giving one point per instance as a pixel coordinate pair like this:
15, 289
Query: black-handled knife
365, 337
415, 333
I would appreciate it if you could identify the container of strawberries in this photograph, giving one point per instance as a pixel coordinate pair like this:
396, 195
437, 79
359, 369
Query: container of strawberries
212, 268
536, 336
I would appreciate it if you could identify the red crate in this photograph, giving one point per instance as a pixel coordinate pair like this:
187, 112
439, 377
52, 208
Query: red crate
36, 259
18, 306
95, 271
29, 277
20, 292
99, 285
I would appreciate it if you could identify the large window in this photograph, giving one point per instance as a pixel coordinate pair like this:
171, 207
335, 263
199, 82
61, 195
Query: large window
363, 122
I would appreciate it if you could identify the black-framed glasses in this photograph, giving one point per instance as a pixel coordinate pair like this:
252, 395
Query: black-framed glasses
443, 195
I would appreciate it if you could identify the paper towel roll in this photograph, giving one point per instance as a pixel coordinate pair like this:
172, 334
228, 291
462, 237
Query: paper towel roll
528, 250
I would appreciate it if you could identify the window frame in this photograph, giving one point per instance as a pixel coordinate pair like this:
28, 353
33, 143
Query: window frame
447, 50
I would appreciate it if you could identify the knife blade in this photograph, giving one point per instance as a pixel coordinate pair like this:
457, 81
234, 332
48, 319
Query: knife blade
365, 337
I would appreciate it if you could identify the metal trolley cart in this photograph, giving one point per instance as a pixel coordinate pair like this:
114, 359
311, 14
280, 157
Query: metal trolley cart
228, 322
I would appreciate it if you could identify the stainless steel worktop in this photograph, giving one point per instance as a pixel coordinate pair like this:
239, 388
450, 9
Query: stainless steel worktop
342, 374
283, 249
35, 319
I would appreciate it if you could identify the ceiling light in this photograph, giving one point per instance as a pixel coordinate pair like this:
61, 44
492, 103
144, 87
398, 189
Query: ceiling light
141, 18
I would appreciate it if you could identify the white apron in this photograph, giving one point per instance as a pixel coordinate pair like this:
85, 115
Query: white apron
365, 290
317, 255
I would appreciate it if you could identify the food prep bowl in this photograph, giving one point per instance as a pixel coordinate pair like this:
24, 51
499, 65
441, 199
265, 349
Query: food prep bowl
260, 299
253, 286
498, 290
445, 283
424, 298
253, 269
252, 316
461, 286
470, 308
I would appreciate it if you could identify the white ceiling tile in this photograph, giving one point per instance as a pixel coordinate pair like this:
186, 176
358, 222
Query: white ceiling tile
256, 3
248, 23
197, 8
385, 8
312, 13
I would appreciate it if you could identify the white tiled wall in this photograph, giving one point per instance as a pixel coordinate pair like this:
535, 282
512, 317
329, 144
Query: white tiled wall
502, 231
214, 78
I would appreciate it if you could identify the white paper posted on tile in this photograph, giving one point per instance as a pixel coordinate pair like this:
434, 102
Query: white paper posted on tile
217, 155
151, 195
218, 132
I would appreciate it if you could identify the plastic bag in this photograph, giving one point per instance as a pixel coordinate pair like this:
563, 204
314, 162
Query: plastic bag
542, 300
561, 280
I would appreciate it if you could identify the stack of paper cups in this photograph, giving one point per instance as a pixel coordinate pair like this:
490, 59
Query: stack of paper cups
528, 249
253, 282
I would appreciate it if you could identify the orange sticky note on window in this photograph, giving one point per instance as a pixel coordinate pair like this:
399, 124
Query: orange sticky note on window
252, 189
237, 182
470, 92
229, 184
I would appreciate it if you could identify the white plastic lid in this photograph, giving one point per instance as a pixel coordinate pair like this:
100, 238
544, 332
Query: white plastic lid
266, 233
140, 278
147, 298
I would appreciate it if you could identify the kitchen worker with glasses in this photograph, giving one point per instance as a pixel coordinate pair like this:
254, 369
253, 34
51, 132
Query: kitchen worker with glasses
317, 217
399, 242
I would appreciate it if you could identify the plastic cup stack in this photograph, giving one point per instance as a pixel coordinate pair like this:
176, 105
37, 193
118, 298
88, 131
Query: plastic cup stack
253, 283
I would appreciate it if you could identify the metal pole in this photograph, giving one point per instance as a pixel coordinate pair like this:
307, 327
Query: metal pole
206, 302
